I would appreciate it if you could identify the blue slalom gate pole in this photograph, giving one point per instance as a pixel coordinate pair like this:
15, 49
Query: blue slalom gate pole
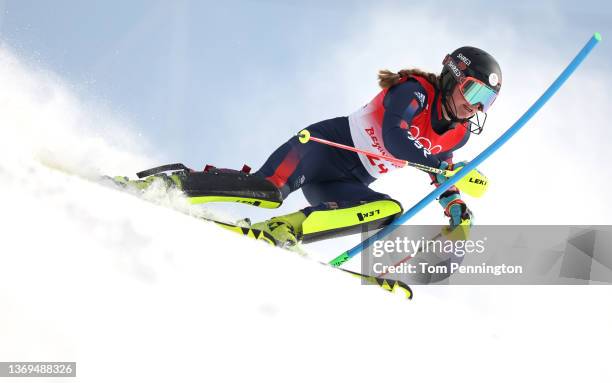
552, 89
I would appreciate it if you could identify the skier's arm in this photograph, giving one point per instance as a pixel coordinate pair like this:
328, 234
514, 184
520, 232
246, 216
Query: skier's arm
402, 103
454, 207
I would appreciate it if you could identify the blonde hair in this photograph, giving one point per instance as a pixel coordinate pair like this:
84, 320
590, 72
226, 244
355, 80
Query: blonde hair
386, 78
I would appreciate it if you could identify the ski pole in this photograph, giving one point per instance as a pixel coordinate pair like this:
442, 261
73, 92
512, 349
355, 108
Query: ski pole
475, 184
552, 89
304, 136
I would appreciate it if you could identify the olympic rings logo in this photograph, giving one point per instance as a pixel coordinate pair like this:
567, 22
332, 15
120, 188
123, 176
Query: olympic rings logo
423, 142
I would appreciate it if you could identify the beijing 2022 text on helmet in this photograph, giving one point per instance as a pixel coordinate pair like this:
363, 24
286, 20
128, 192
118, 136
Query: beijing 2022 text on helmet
479, 78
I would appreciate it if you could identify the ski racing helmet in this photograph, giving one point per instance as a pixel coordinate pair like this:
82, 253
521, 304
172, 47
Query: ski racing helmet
479, 78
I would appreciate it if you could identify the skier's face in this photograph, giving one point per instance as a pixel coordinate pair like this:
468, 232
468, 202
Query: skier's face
463, 109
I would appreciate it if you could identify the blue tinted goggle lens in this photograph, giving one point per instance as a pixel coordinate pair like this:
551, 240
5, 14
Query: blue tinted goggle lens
475, 92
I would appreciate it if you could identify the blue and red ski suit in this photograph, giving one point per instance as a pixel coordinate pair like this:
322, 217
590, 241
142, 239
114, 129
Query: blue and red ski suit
404, 121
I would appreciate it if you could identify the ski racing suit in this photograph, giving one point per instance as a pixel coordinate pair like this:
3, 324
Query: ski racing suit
404, 121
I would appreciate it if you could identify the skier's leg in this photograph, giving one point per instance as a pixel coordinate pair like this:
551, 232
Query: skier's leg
286, 170
358, 206
295, 164
289, 167
213, 185
283, 168
227, 185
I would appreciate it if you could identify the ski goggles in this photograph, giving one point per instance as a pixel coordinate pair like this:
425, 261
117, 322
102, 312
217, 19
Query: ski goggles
473, 90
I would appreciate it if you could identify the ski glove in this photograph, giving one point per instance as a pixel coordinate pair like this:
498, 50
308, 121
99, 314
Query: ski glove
451, 201
455, 209
441, 178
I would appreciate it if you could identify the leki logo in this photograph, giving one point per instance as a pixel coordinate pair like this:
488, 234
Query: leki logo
363, 216
477, 181
422, 142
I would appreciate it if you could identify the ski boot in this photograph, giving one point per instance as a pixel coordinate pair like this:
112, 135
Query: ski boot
286, 229
210, 185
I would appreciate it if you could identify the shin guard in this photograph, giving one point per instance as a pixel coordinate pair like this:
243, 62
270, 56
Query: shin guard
333, 220
222, 185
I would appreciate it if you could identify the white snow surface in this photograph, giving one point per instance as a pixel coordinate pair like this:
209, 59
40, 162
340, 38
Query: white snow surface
133, 291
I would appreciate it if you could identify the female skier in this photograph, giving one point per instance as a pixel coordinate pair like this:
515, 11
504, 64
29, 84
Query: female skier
419, 117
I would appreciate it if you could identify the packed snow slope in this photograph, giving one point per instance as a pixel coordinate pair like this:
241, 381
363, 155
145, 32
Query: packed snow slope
136, 291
